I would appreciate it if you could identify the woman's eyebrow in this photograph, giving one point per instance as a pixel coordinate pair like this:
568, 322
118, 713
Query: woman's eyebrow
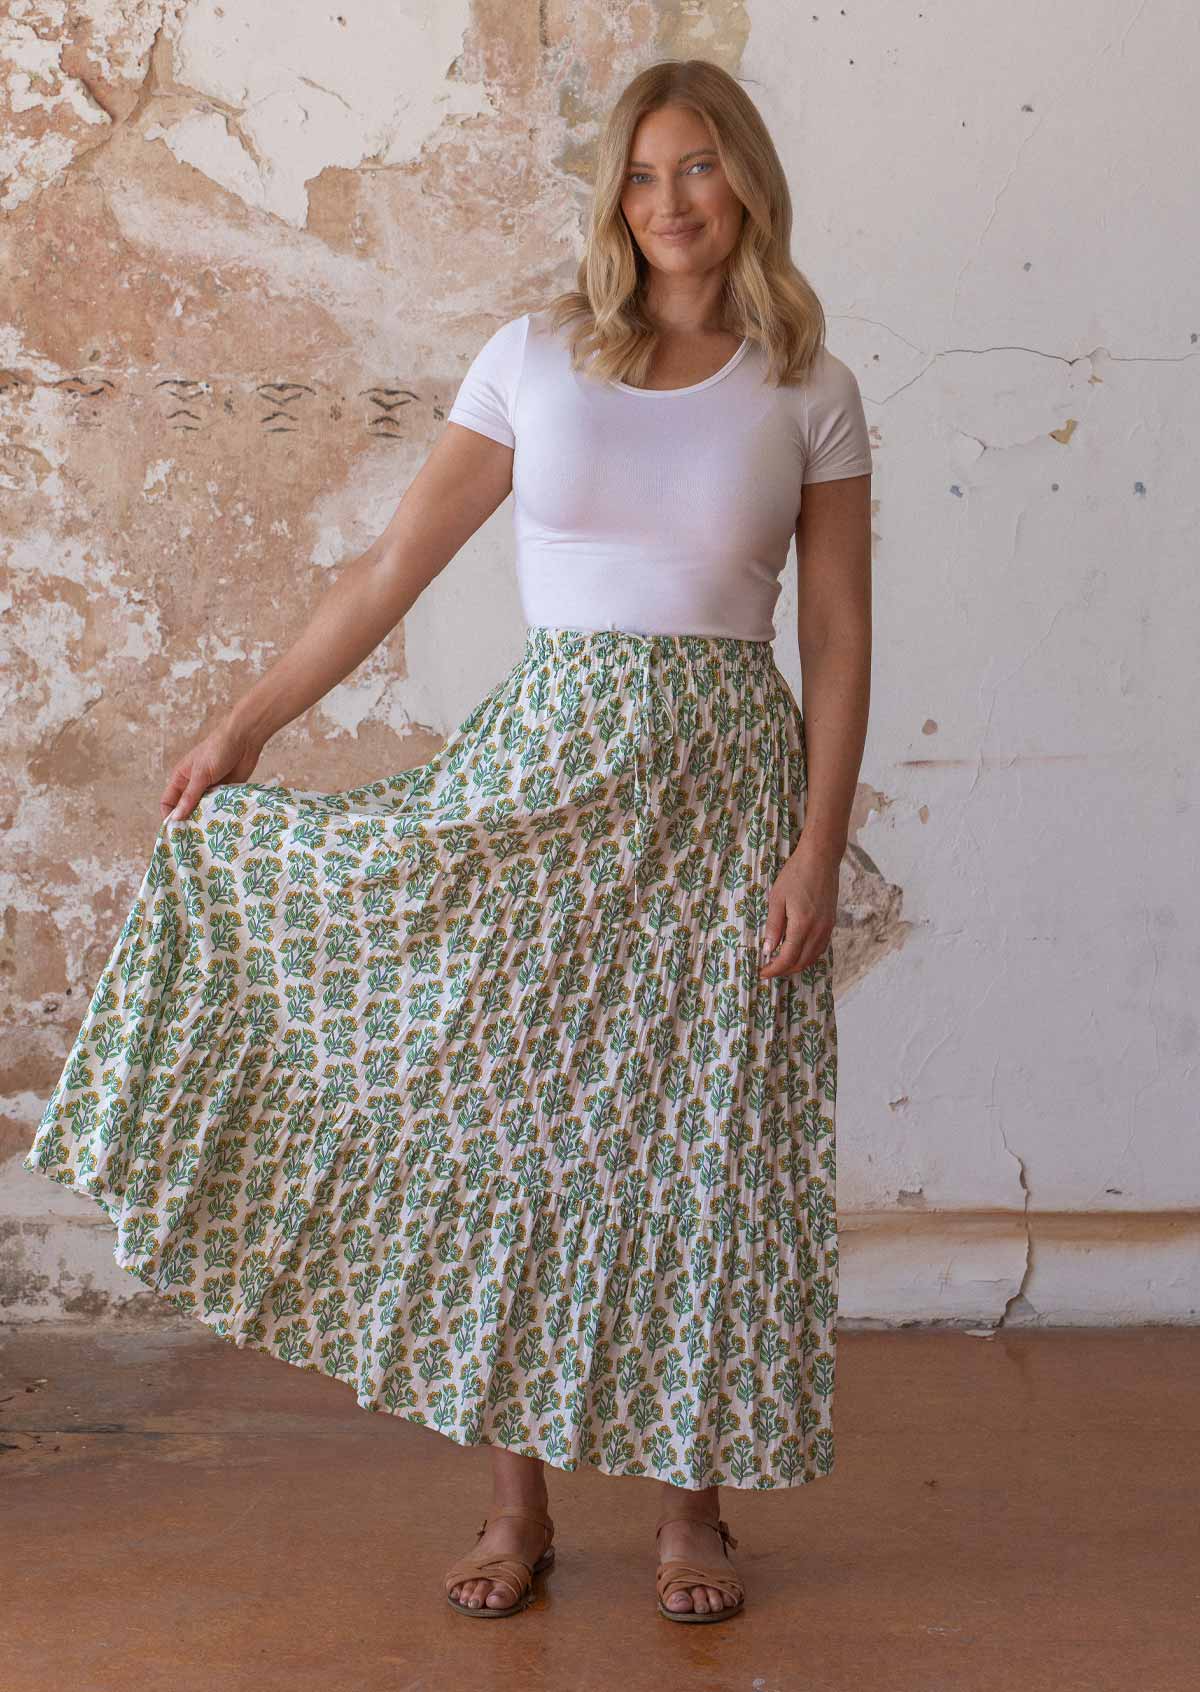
640, 164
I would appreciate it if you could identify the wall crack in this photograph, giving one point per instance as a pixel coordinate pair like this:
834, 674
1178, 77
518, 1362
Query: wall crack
1025, 1273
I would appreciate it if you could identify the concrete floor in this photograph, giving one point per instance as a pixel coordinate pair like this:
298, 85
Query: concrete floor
1014, 1512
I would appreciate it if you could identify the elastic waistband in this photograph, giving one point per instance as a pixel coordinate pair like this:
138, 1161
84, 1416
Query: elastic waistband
544, 641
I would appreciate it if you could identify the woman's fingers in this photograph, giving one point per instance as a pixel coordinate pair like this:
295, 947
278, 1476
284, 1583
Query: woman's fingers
189, 799
798, 940
172, 794
225, 755
785, 954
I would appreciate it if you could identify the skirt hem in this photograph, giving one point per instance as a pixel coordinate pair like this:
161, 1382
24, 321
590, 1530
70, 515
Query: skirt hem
543, 1448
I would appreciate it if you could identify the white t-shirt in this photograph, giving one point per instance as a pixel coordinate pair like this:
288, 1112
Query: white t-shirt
661, 511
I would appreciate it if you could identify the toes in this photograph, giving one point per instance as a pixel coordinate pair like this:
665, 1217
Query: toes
702, 1599
476, 1592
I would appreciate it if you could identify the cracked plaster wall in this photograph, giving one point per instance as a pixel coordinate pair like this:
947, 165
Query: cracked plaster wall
248, 250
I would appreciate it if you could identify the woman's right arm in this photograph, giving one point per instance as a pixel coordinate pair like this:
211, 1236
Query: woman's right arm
461, 483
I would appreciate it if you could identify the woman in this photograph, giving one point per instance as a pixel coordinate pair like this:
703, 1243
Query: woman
503, 1088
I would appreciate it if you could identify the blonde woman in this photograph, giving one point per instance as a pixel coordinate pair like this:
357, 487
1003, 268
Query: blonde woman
502, 1088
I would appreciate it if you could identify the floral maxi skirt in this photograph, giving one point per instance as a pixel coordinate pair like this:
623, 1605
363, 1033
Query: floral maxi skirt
463, 1086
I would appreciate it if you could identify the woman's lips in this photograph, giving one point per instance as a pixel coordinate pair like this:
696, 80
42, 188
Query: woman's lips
683, 234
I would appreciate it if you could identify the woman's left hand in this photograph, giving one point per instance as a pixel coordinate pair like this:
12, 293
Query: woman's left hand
801, 911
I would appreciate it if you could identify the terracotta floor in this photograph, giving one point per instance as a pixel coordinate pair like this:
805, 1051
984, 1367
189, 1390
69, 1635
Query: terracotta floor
1016, 1512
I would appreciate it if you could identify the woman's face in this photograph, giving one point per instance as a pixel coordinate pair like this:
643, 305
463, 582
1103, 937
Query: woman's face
675, 186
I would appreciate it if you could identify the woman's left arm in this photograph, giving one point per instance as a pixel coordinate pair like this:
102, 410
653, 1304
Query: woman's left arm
833, 557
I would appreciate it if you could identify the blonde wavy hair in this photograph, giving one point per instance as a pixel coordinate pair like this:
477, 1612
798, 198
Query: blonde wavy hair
766, 298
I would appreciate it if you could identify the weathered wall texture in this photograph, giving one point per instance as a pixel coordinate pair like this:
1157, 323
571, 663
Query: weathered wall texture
248, 250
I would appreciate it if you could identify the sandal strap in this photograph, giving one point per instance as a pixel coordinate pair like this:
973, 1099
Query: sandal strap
676, 1574
510, 1571
521, 1510
721, 1527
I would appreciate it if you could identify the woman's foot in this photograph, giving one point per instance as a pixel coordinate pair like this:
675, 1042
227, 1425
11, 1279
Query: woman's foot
507, 1536
515, 1480
697, 1541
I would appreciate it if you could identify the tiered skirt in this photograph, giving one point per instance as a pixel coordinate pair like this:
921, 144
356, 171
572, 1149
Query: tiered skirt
463, 1086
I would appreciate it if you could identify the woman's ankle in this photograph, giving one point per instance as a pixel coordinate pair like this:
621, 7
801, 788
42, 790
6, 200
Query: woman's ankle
686, 1501
518, 1482
520, 1501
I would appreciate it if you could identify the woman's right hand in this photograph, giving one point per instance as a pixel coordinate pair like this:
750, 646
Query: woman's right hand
227, 754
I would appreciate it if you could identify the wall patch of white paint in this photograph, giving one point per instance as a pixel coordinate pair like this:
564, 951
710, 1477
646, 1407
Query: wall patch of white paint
368, 87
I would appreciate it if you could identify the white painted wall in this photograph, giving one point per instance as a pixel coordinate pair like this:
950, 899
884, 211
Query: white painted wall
997, 205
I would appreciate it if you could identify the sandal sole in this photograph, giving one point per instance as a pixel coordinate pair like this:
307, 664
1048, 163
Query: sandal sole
720, 1615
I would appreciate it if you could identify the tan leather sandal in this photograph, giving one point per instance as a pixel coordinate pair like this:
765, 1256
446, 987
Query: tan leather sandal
677, 1574
508, 1570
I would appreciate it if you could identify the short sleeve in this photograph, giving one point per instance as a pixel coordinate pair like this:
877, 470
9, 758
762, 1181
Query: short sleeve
836, 442
487, 394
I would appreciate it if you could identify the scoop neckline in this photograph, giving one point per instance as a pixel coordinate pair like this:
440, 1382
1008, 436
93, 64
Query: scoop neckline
692, 387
